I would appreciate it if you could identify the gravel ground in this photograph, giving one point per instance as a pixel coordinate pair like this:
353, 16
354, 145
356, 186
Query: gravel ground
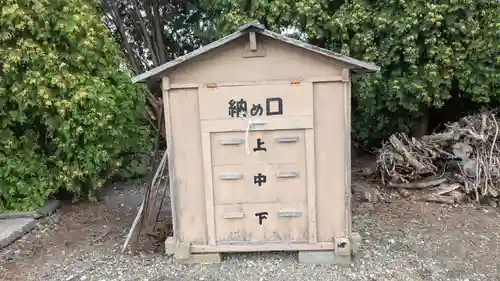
403, 240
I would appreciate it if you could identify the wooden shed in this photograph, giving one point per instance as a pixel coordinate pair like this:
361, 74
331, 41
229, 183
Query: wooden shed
258, 133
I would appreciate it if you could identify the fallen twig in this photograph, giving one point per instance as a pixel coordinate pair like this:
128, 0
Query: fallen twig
102, 235
135, 229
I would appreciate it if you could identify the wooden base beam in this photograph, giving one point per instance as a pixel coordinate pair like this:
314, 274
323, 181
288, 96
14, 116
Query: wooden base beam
340, 251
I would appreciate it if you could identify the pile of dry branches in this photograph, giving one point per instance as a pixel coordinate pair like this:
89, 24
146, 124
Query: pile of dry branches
461, 162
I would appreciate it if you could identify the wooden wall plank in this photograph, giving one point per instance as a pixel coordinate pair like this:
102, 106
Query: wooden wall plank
329, 139
311, 186
209, 188
189, 187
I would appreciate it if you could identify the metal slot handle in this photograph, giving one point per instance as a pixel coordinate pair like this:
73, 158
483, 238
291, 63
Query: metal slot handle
285, 213
287, 174
288, 139
237, 215
231, 142
231, 176
259, 122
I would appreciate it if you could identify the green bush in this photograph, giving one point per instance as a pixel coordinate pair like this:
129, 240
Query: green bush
429, 51
69, 113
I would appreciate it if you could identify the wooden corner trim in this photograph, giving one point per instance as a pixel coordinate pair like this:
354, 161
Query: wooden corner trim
345, 75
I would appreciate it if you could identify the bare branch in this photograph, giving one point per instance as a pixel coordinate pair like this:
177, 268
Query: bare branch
144, 32
124, 38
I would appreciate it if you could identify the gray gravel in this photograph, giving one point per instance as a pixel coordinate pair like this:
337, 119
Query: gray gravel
403, 240
384, 256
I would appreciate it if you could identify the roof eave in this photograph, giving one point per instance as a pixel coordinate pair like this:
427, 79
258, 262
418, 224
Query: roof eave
155, 72
357, 65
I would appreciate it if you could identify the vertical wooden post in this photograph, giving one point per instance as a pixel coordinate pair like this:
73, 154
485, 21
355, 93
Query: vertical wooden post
253, 41
347, 148
165, 86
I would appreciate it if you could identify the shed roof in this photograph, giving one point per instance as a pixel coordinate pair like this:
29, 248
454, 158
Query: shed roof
355, 65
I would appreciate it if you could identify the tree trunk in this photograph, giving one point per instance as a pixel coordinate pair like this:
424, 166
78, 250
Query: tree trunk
422, 127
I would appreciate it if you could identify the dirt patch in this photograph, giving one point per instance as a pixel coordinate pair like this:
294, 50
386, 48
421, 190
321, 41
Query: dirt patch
75, 229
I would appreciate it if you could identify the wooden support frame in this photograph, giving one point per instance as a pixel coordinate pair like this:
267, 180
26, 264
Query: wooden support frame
172, 245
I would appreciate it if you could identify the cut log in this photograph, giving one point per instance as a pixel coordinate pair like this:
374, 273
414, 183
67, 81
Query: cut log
418, 185
440, 137
493, 192
399, 146
493, 203
405, 193
472, 134
462, 150
440, 199
459, 196
445, 188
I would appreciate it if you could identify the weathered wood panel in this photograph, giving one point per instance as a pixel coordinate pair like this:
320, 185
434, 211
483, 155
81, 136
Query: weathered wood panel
329, 138
188, 168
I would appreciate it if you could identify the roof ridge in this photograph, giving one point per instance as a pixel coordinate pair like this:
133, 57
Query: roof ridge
255, 24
